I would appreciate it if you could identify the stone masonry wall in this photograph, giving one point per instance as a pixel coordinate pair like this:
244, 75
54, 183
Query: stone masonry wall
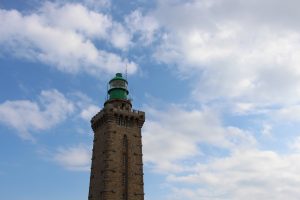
117, 167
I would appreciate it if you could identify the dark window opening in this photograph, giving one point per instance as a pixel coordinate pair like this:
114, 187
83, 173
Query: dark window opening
125, 168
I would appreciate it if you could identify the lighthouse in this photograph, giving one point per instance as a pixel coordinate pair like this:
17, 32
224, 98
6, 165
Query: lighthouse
117, 159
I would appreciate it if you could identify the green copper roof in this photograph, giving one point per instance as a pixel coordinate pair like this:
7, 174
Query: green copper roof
118, 77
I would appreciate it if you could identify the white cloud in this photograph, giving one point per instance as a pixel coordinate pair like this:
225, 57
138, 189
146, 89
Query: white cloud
204, 159
26, 116
242, 108
77, 158
88, 112
288, 113
85, 105
249, 175
67, 43
97, 4
120, 38
144, 26
177, 134
266, 130
235, 48
295, 145
75, 17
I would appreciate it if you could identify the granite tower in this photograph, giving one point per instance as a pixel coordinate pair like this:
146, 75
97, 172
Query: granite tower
117, 164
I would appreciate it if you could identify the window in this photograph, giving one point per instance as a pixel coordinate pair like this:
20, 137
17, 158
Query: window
124, 121
125, 168
118, 84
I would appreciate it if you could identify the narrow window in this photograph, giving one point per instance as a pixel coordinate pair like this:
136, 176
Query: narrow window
125, 168
120, 120
123, 121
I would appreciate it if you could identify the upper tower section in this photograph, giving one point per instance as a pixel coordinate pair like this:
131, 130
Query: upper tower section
118, 92
118, 88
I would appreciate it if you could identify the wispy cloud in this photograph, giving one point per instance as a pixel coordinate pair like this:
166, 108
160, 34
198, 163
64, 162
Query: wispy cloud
262, 174
238, 51
203, 158
89, 112
76, 158
177, 134
67, 44
51, 108
145, 26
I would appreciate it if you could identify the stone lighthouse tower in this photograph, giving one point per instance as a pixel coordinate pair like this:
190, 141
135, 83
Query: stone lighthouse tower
117, 164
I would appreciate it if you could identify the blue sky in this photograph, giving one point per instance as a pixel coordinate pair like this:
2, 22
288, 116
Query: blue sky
219, 82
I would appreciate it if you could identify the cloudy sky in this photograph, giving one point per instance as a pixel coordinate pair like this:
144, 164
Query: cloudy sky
219, 81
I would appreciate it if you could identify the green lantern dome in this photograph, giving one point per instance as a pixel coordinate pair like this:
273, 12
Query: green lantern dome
118, 88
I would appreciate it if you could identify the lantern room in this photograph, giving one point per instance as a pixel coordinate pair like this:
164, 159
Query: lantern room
118, 88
